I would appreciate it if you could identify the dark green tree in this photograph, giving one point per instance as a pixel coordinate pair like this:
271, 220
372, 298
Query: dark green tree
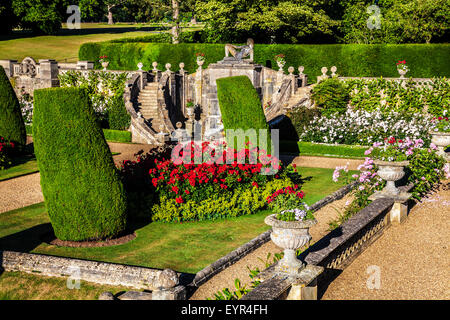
12, 126
83, 193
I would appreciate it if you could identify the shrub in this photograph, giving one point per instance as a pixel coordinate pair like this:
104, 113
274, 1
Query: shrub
301, 116
363, 127
106, 93
12, 127
83, 194
240, 106
331, 96
6, 149
353, 60
209, 190
405, 97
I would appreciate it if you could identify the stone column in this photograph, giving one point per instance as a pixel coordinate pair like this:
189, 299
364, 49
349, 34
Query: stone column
48, 73
8, 65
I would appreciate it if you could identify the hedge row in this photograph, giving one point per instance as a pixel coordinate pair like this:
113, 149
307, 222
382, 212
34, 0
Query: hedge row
423, 60
84, 196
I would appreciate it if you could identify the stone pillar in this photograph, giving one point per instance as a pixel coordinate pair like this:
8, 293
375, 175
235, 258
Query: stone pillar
399, 212
48, 73
143, 79
8, 65
198, 83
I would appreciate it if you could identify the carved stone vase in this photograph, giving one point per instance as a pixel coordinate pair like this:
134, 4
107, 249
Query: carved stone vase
289, 235
105, 65
441, 140
391, 171
402, 72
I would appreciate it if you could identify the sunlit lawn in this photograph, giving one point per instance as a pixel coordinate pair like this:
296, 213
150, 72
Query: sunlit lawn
23, 286
185, 247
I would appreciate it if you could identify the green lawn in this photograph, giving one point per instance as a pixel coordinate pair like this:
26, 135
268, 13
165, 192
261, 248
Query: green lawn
63, 47
322, 150
23, 286
21, 166
186, 247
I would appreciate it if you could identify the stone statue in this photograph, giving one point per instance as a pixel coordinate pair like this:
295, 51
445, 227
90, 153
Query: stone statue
245, 51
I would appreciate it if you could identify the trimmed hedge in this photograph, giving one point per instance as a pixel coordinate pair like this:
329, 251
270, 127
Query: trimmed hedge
353, 60
12, 126
84, 196
240, 105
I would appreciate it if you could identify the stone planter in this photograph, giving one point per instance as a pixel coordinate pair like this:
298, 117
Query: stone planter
281, 65
441, 140
289, 235
402, 72
105, 65
190, 111
200, 62
391, 171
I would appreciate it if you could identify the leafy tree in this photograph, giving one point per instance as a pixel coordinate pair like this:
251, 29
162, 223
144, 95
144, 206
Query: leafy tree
41, 16
403, 21
7, 18
271, 20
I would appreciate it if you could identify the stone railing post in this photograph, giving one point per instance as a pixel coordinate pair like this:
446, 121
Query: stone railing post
294, 83
198, 85
8, 65
48, 73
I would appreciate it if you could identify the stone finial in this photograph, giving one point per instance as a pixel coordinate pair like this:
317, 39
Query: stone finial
333, 71
140, 65
301, 69
324, 71
106, 296
155, 64
168, 279
168, 66
178, 125
181, 65
291, 70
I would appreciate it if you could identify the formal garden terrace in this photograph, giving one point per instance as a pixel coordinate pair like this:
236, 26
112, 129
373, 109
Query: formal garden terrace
199, 164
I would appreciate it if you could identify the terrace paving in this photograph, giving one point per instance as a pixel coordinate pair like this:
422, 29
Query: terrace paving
413, 258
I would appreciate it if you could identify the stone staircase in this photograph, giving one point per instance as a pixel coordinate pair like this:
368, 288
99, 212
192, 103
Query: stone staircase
148, 101
300, 97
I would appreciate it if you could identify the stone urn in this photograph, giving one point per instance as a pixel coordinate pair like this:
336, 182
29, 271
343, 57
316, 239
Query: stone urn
281, 64
200, 62
105, 65
402, 72
441, 140
391, 171
289, 235
190, 111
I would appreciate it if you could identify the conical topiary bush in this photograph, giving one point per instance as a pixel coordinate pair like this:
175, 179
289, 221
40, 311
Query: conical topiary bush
83, 193
12, 127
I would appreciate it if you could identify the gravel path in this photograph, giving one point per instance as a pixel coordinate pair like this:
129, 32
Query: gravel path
225, 279
26, 190
413, 257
